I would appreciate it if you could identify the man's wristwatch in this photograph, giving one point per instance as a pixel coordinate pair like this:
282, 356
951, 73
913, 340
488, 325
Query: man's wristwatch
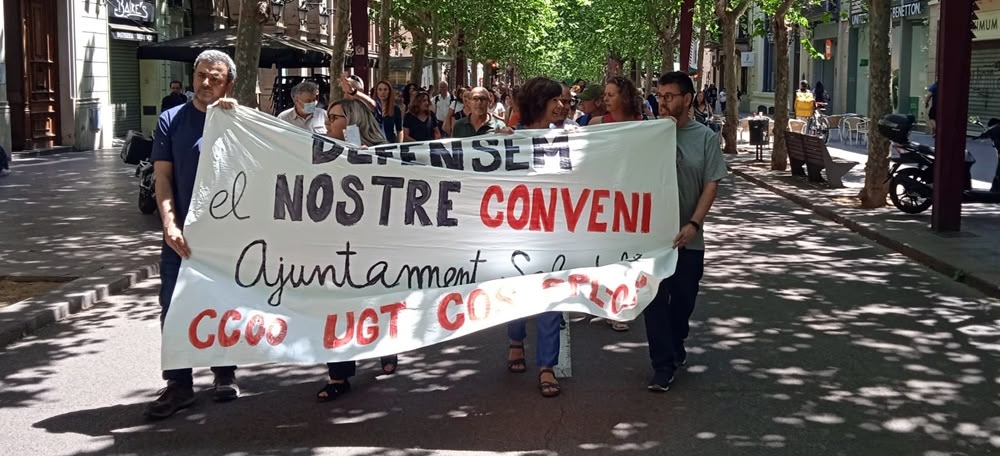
697, 226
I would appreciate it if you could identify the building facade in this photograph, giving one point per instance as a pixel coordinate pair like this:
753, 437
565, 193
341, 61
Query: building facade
76, 81
839, 34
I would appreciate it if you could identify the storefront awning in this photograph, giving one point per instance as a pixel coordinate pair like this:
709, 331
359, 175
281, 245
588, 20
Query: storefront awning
276, 50
130, 32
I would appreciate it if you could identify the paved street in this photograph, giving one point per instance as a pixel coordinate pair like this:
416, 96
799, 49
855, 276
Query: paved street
809, 340
73, 215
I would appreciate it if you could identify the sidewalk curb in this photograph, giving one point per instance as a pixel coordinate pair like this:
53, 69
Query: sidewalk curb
42, 152
23, 318
948, 269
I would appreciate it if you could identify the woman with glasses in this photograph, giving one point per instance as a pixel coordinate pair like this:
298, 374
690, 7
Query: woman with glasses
621, 99
341, 114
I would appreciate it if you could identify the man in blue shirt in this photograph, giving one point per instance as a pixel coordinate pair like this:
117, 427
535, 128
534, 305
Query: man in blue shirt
176, 148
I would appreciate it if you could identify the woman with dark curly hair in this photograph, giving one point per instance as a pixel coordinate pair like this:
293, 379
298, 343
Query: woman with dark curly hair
540, 106
621, 99
409, 92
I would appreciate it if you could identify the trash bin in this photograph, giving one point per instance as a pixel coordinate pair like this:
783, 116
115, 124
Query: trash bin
758, 127
758, 137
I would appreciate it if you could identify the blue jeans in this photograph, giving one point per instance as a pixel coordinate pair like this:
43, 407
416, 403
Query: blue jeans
547, 353
170, 266
667, 316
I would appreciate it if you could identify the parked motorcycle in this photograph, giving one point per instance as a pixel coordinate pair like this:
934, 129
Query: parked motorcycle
911, 188
137, 150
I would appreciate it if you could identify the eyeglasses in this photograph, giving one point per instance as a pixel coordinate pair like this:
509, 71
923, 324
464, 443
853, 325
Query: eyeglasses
668, 97
479, 98
331, 117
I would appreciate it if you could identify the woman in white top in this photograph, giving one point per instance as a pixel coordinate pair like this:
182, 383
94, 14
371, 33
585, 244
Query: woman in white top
497, 108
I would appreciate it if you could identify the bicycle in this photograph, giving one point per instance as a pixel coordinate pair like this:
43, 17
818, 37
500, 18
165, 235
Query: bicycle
818, 124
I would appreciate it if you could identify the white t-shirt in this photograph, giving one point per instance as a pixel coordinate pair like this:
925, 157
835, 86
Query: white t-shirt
457, 106
499, 110
316, 123
440, 105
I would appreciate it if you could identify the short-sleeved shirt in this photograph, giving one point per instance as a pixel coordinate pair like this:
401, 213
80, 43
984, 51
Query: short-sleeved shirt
441, 104
420, 130
178, 140
463, 127
315, 123
171, 101
699, 161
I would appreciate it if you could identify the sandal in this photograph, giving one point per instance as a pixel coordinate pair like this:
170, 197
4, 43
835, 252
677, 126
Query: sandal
332, 391
517, 365
619, 326
392, 362
548, 389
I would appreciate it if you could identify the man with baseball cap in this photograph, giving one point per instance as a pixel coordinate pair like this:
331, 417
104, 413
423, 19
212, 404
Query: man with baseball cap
591, 103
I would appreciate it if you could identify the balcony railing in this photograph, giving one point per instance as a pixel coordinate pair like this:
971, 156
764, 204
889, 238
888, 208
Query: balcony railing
826, 6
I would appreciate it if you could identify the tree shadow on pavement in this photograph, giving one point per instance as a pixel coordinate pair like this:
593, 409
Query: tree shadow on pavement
87, 220
807, 340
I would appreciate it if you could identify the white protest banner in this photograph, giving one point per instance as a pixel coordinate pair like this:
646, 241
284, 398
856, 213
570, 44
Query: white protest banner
305, 249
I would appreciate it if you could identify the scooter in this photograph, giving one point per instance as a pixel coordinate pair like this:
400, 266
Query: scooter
911, 188
137, 150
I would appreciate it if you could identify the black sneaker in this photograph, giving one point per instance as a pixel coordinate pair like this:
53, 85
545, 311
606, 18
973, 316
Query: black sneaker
660, 382
225, 388
680, 356
172, 398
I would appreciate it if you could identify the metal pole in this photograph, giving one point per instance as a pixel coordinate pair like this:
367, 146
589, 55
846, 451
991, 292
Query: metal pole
954, 58
687, 28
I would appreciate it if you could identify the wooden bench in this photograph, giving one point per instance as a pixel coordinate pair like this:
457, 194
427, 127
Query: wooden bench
811, 151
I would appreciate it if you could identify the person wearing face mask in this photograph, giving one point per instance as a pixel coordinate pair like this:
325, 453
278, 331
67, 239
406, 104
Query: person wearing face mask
344, 113
304, 114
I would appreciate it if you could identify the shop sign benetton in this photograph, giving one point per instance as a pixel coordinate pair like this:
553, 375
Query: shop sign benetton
900, 9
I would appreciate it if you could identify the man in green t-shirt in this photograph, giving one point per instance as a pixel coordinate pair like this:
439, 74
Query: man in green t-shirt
700, 167
480, 122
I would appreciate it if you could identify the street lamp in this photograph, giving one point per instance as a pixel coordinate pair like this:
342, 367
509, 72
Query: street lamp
277, 6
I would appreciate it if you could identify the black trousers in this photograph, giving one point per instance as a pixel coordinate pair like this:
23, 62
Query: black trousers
668, 315
342, 370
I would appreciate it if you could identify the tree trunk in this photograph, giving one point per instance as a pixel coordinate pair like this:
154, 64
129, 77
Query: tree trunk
474, 78
419, 49
341, 28
729, 75
461, 70
779, 155
667, 48
453, 74
650, 78
876, 188
435, 37
385, 35
248, 37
